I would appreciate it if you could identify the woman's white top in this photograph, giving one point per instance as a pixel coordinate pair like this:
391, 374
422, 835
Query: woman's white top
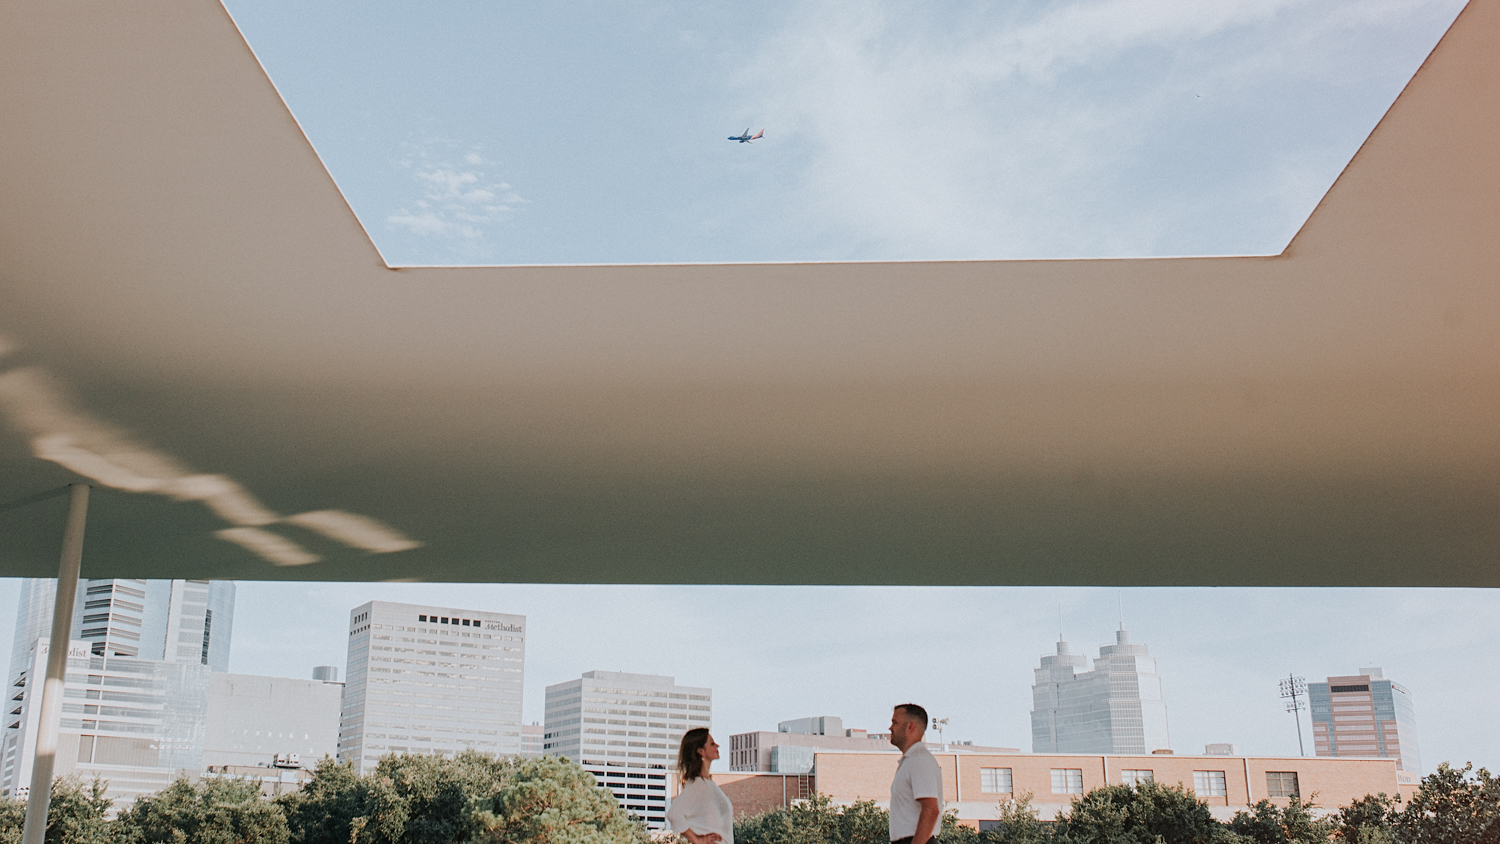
703, 808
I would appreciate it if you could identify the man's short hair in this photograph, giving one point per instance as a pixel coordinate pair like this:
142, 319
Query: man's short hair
914, 713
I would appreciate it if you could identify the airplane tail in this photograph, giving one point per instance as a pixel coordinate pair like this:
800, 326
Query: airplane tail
758, 135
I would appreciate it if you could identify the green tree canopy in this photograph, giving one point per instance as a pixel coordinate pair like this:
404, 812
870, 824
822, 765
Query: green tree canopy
552, 801
212, 811
469, 799
1453, 806
1267, 823
1147, 813
77, 814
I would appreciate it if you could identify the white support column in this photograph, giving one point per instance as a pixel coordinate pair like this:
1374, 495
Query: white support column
40, 796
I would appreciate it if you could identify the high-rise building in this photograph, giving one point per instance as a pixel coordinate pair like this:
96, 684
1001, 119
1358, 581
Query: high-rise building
625, 729
423, 679
137, 723
1365, 715
168, 620
1115, 708
135, 695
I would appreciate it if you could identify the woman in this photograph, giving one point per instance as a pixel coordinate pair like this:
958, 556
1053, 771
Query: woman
700, 812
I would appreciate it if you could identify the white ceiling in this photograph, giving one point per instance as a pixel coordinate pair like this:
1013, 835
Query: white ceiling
193, 319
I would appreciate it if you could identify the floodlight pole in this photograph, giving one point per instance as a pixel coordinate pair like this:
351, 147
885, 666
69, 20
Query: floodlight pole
1295, 687
40, 795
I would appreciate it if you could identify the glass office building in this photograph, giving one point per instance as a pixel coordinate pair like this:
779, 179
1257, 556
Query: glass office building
1116, 707
1365, 715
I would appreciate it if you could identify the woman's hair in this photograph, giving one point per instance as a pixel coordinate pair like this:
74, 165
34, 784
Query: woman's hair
689, 763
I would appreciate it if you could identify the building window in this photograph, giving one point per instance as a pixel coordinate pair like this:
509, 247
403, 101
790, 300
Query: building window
1135, 777
1282, 784
1067, 780
1209, 784
994, 780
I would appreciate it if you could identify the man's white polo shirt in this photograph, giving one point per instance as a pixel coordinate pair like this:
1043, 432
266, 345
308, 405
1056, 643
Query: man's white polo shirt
917, 776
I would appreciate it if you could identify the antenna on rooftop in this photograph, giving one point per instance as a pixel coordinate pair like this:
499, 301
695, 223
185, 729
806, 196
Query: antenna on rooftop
1120, 595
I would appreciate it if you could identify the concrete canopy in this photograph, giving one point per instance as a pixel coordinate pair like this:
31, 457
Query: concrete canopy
194, 320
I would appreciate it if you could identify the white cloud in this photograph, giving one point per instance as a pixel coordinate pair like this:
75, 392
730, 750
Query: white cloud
989, 133
460, 201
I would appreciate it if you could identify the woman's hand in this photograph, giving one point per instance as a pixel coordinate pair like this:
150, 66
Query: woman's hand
709, 838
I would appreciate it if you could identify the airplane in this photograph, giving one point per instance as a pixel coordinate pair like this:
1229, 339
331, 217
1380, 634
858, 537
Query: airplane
747, 137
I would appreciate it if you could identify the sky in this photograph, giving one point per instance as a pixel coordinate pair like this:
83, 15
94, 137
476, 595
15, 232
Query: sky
596, 132
774, 653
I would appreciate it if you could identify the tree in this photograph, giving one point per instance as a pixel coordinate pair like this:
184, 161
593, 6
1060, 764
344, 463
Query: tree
1367, 820
75, 815
1147, 813
323, 810
1453, 806
816, 820
550, 800
1018, 824
12, 820
1267, 823
213, 811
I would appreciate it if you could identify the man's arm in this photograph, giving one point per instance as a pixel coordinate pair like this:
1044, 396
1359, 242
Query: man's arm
927, 821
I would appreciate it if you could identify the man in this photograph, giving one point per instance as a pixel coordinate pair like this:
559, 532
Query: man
918, 785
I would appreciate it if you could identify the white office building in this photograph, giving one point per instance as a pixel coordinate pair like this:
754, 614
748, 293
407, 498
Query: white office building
252, 721
137, 723
625, 729
424, 679
1116, 707
136, 693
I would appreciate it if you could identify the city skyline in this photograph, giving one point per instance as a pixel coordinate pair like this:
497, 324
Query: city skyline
775, 653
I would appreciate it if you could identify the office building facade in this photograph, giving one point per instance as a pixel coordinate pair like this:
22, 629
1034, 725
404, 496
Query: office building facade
625, 729
424, 679
252, 721
1365, 716
136, 723
141, 655
1116, 707
180, 621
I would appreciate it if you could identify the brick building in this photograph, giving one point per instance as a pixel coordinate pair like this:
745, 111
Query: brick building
975, 784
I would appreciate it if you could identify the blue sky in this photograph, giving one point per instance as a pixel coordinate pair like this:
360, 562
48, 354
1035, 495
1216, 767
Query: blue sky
477, 132
967, 654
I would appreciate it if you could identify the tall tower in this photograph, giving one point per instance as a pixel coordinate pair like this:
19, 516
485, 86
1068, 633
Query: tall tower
1365, 715
1115, 708
424, 679
169, 620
